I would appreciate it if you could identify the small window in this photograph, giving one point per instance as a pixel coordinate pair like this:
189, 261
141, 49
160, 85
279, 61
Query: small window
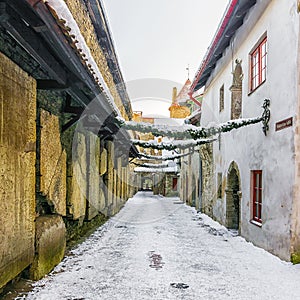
256, 187
221, 98
258, 65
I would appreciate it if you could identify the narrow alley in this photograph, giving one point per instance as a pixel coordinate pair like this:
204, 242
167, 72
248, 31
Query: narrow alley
160, 248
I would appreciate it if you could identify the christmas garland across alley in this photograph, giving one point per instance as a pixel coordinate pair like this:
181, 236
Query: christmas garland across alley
165, 157
196, 133
177, 144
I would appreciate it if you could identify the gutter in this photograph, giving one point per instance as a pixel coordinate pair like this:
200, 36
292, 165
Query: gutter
218, 35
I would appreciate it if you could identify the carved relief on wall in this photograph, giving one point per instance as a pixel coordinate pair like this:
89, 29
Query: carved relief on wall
236, 90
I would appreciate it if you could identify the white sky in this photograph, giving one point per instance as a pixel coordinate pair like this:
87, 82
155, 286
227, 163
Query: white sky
159, 38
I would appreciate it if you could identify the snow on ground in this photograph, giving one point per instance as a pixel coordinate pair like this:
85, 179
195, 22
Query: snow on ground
156, 245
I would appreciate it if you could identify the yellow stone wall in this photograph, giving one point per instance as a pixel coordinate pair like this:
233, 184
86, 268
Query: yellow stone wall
81, 15
17, 169
53, 163
179, 112
77, 179
50, 245
110, 173
93, 201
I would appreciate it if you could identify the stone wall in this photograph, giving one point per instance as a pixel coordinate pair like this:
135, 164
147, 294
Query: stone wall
17, 169
76, 189
55, 184
52, 163
189, 183
208, 186
169, 185
50, 245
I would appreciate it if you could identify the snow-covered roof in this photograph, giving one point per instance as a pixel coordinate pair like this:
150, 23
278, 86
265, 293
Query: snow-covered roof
63, 12
232, 20
183, 94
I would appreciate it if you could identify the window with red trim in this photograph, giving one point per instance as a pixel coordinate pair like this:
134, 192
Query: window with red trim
258, 65
256, 195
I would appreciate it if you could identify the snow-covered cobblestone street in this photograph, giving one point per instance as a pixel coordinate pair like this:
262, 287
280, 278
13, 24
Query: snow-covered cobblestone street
159, 248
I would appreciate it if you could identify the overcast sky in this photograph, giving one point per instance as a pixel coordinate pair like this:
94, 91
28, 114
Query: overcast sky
159, 38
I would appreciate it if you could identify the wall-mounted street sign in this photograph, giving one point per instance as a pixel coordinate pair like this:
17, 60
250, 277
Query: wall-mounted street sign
284, 124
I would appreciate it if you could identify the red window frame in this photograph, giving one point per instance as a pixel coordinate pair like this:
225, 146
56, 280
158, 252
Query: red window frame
256, 195
258, 65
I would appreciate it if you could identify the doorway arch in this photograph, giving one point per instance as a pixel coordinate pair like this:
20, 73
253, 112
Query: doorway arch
233, 197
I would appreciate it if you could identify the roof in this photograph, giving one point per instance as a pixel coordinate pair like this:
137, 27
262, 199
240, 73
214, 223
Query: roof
183, 94
232, 20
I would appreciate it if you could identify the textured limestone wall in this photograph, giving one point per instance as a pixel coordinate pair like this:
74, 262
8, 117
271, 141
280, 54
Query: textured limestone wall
93, 161
53, 163
169, 192
17, 169
80, 14
50, 245
76, 199
208, 186
110, 175
179, 112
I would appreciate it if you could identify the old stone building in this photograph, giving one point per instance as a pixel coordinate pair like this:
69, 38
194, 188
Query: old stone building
153, 174
250, 181
180, 107
64, 162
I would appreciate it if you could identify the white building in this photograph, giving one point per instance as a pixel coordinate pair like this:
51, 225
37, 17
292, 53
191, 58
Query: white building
251, 181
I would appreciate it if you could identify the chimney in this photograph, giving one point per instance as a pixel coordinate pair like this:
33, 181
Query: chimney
174, 95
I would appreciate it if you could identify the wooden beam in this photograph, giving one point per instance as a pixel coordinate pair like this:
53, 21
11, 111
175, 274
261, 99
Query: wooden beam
45, 84
28, 39
70, 123
68, 108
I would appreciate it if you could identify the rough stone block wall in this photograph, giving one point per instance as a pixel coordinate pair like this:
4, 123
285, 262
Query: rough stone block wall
17, 169
93, 162
169, 185
110, 173
53, 163
50, 245
76, 196
208, 182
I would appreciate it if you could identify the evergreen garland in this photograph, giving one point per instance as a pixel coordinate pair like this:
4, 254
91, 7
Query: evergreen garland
173, 145
190, 131
173, 157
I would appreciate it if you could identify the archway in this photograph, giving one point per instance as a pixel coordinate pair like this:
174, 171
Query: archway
147, 183
233, 197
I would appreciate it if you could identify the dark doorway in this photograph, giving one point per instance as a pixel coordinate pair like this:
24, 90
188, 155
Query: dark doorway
232, 198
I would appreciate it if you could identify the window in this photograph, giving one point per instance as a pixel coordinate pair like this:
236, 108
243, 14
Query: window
256, 184
258, 65
221, 99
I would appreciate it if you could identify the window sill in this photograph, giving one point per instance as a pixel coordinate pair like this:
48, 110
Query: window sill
258, 224
252, 91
